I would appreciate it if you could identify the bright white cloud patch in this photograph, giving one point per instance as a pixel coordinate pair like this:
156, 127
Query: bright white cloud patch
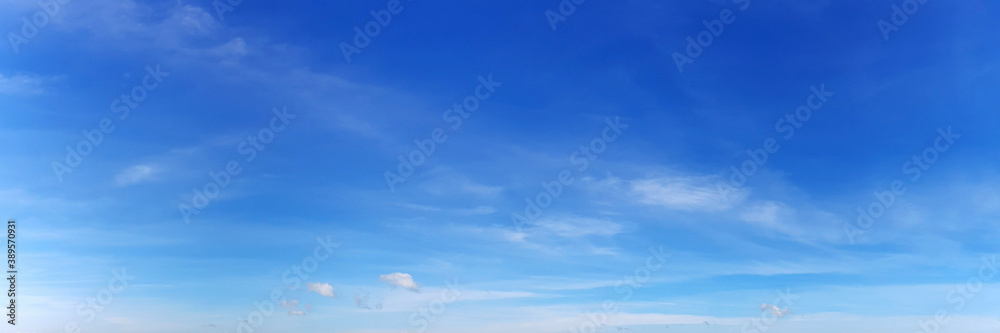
402, 280
324, 289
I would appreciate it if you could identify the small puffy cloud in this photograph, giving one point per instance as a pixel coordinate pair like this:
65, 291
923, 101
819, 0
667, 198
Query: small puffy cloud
402, 280
292, 307
134, 174
290, 304
777, 312
324, 289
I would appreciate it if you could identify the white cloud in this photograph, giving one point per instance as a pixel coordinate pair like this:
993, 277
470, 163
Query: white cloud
291, 305
573, 227
685, 193
446, 181
425, 208
777, 312
191, 20
767, 213
481, 210
235, 47
402, 280
21, 84
324, 289
134, 174
512, 236
136, 26
480, 189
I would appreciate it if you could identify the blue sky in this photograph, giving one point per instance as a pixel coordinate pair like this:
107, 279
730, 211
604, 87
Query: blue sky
649, 218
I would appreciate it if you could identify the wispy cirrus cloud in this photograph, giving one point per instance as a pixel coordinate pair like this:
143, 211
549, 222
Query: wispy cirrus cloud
135, 174
24, 84
687, 193
574, 227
